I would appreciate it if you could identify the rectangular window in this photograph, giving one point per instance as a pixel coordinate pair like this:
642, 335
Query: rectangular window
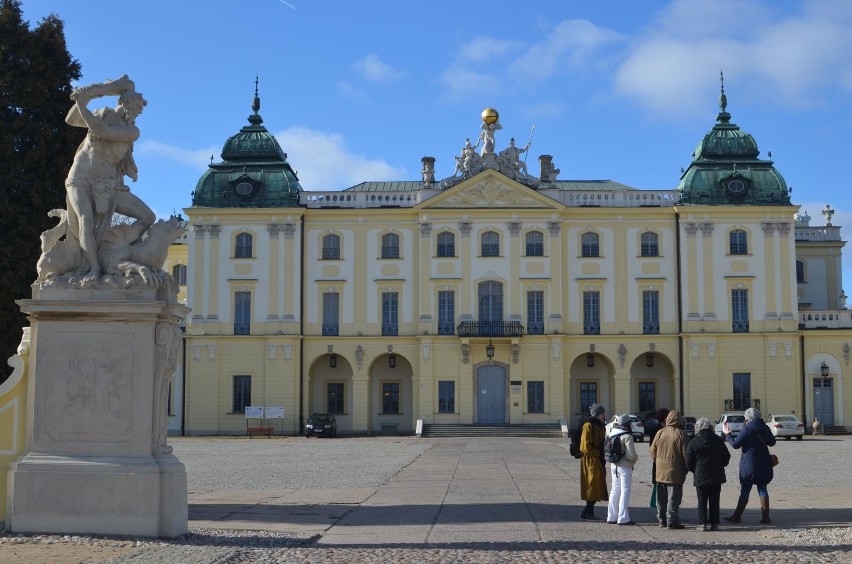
446, 312
446, 245
592, 313
535, 397
331, 313
647, 396
242, 394
242, 313
335, 398
446, 396
390, 313
651, 312
800, 272
390, 398
588, 396
535, 312
242, 246
535, 244
742, 390
739, 311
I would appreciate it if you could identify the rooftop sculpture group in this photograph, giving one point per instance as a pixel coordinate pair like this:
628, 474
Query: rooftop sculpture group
508, 161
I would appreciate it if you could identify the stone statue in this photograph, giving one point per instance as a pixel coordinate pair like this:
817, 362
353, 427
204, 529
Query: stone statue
96, 190
512, 156
486, 136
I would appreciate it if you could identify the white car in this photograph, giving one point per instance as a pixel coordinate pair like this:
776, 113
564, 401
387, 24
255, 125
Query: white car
637, 428
787, 426
735, 423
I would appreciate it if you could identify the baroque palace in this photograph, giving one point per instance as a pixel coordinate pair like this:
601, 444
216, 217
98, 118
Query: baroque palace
501, 295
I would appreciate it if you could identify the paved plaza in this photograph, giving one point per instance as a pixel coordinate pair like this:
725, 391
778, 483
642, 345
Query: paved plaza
462, 500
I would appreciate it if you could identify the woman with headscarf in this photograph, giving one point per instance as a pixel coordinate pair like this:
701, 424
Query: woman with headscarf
706, 457
755, 438
592, 478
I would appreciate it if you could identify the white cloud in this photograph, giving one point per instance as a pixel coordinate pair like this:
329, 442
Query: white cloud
573, 44
462, 83
485, 49
783, 58
198, 158
323, 161
375, 70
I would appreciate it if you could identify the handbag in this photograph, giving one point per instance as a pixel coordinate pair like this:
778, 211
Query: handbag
654, 496
773, 460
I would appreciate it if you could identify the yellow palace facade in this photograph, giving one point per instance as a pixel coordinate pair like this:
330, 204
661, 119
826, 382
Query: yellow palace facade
501, 295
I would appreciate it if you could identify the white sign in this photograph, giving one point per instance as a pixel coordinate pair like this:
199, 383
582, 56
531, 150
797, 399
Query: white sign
254, 412
275, 413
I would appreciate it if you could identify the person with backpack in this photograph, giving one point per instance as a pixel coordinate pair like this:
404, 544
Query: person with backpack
706, 457
592, 477
669, 453
620, 452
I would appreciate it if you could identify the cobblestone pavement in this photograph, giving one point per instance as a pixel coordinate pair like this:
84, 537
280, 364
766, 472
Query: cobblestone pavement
458, 500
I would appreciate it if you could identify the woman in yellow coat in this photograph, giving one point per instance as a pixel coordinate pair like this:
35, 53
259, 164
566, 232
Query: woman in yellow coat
592, 477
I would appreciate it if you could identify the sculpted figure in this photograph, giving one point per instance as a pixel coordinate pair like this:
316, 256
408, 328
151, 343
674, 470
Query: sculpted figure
513, 156
487, 136
95, 186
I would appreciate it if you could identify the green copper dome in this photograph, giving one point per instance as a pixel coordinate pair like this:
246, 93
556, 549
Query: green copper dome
725, 169
254, 171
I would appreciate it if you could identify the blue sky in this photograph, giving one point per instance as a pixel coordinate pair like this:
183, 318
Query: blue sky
357, 91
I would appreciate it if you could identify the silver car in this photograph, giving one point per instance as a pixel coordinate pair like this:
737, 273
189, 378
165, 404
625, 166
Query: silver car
787, 426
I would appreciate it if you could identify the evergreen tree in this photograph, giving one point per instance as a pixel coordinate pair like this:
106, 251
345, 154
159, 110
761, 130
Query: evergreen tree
36, 151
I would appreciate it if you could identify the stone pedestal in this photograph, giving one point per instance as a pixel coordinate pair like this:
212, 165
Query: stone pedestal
96, 460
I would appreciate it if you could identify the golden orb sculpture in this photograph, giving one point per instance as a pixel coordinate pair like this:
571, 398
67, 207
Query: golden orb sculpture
490, 115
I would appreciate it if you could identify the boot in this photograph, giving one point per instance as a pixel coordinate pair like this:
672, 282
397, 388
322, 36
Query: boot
738, 512
764, 510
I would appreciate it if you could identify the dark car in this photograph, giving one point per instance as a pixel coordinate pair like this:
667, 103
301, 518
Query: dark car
322, 425
649, 420
690, 426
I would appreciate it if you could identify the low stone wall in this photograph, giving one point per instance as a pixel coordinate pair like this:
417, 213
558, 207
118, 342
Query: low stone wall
13, 413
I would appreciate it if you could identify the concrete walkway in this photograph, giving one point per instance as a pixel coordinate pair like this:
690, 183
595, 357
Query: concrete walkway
512, 491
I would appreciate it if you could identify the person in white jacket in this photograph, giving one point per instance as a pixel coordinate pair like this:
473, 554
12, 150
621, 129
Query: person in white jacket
622, 474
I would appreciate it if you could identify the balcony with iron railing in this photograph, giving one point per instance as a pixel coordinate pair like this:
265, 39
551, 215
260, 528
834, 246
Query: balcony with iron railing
330, 329
390, 329
445, 328
490, 329
535, 328
739, 326
651, 328
741, 405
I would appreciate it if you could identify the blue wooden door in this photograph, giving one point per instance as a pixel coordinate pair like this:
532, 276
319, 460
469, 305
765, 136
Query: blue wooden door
491, 395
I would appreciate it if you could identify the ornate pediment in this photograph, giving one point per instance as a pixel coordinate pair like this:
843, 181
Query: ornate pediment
490, 190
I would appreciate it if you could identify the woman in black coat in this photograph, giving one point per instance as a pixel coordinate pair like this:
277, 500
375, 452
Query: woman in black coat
755, 438
706, 457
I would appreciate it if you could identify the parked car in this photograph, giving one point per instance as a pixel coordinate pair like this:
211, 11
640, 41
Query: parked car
689, 427
649, 420
735, 423
321, 424
787, 426
637, 428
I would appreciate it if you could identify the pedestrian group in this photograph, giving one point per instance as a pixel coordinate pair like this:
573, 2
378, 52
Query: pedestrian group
674, 455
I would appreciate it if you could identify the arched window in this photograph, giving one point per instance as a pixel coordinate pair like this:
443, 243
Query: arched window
390, 246
589, 244
242, 245
446, 244
650, 245
739, 242
331, 247
490, 244
179, 273
535, 244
